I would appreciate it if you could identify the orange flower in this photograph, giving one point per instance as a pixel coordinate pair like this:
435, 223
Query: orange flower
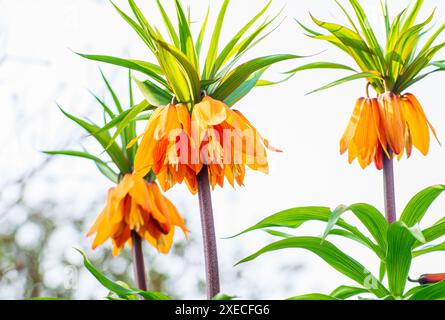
364, 137
418, 125
393, 121
166, 148
388, 125
227, 142
137, 205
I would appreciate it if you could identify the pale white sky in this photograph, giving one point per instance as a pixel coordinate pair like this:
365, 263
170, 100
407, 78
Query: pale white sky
40, 69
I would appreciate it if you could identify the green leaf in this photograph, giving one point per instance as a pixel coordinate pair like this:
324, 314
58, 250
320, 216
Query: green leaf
132, 133
398, 261
244, 88
240, 74
346, 292
432, 233
351, 42
413, 290
429, 249
112, 93
295, 217
154, 95
152, 70
332, 255
107, 110
129, 118
117, 288
312, 296
357, 76
373, 220
333, 220
185, 36
190, 91
358, 237
431, 292
213, 48
171, 30
102, 166
124, 136
321, 65
144, 30
382, 270
419, 204
108, 172
264, 82
114, 151
369, 35
223, 297
46, 298
198, 44
225, 53
291, 218
416, 232
278, 233
78, 154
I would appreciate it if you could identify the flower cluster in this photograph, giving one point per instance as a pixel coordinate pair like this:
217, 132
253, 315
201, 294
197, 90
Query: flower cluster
177, 144
136, 205
385, 126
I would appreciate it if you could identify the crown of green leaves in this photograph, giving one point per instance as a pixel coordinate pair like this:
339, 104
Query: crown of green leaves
177, 72
397, 65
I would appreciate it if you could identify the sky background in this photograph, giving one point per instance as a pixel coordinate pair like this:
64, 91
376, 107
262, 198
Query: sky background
39, 68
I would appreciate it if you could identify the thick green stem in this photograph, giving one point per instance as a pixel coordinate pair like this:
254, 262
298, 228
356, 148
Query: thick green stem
208, 234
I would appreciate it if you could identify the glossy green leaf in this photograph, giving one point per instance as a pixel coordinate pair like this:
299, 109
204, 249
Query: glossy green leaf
107, 172
225, 53
72, 153
154, 95
291, 218
184, 67
187, 45
280, 234
106, 109
152, 70
144, 30
114, 151
398, 261
357, 76
346, 292
373, 220
429, 249
321, 65
129, 117
431, 292
117, 288
329, 253
419, 204
358, 237
244, 88
167, 22
312, 296
198, 44
223, 297
434, 232
213, 47
240, 74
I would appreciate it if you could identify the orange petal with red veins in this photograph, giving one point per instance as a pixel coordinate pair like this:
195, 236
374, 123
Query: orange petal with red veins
417, 126
352, 125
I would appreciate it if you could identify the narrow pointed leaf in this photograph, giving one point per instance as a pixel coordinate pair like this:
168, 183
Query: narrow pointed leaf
419, 204
329, 253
